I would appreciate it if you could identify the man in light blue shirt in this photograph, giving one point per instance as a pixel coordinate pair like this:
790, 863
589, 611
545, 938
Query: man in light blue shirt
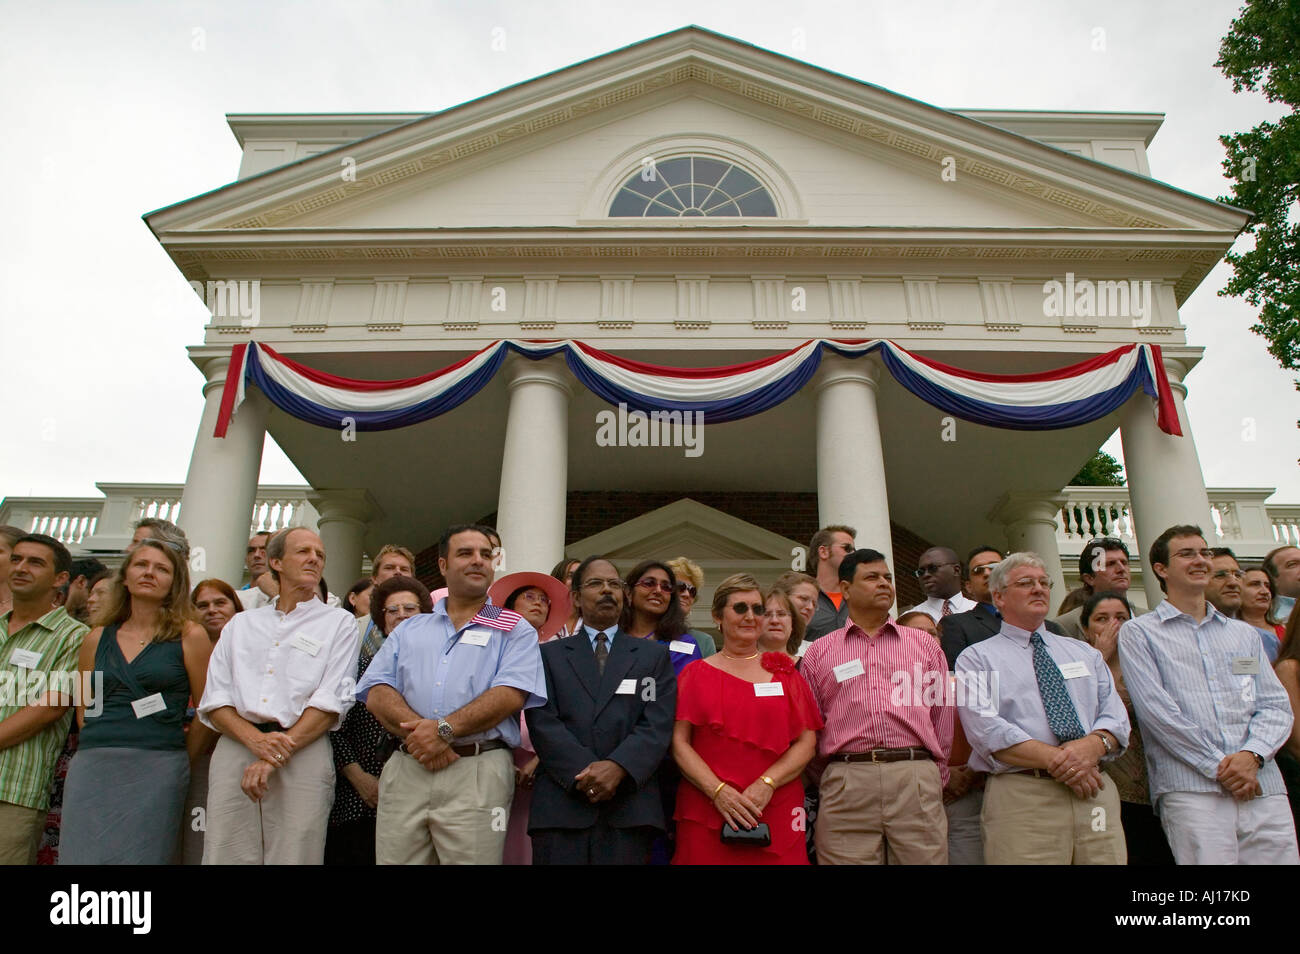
1212, 714
1041, 713
451, 684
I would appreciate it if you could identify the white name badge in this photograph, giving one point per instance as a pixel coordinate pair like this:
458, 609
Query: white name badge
848, 670
1073, 670
768, 689
1245, 666
478, 636
626, 688
305, 644
25, 659
681, 646
148, 705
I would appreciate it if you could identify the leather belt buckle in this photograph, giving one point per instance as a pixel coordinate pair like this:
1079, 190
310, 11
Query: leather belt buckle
875, 755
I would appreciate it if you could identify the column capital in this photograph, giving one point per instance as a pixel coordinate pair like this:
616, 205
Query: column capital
837, 369
351, 505
1028, 507
550, 370
1175, 370
214, 372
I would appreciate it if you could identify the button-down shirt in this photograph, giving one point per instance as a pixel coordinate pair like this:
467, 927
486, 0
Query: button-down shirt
887, 706
933, 607
26, 768
593, 633
264, 664
1192, 707
1001, 705
427, 660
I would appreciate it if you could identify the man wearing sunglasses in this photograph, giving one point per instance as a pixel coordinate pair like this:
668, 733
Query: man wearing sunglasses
939, 572
1212, 714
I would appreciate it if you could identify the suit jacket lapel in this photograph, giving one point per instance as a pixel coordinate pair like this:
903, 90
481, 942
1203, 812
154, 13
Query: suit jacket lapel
988, 620
583, 661
621, 657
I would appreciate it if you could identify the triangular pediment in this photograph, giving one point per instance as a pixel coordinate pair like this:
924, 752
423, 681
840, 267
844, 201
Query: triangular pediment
405, 177
686, 527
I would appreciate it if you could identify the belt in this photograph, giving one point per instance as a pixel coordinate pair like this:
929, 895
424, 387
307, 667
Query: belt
909, 754
470, 748
1037, 773
269, 727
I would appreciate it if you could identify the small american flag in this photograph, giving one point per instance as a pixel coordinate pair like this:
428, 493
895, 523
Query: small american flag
498, 618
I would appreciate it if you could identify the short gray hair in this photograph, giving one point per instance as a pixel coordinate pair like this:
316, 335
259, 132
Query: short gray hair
1014, 561
275, 547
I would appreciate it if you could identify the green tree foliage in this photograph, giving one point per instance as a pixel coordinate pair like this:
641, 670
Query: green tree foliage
1102, 471
1262, 53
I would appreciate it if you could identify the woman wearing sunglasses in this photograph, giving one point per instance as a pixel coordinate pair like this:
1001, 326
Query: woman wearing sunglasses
653, 611
746, 727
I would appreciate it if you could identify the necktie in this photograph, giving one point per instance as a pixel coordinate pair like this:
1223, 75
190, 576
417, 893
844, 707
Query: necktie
602, 654
947, 609
1062, 718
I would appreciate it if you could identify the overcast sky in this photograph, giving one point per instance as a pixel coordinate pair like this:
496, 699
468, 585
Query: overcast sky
113, 110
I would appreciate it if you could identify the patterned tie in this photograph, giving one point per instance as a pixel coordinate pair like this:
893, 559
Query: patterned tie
602, 654
947, 609
1062, 718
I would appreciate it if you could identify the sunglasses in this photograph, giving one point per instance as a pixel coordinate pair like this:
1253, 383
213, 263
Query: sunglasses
649, 584
933, 570
684, 587
743, 608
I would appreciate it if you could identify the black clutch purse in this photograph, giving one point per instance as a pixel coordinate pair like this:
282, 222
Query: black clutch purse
760, 836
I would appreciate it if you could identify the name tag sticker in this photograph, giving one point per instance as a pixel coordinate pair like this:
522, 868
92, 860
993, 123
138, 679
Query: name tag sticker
769, 689
626, 688
681, 646
1245, 665
305, 644
25, 659
1073, 670
478, 636
148, 705
848, 670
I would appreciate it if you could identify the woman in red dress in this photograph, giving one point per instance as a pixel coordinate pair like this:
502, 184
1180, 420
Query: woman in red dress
746, 727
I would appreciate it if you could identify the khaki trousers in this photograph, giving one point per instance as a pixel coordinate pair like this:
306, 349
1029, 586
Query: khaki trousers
454, 816
881, 813
287, 827
20, 833
1038, 821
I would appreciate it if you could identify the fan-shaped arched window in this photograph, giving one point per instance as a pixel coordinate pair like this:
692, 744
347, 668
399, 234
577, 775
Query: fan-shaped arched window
692, 186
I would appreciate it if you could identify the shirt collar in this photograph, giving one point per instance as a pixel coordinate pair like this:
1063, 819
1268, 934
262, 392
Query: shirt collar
889, 629
1018, 635
44, 622
1167, 611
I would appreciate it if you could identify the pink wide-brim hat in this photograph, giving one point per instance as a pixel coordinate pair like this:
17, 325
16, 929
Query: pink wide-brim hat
555, 591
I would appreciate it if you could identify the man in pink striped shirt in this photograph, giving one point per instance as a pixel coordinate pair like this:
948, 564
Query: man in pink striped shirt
883, 691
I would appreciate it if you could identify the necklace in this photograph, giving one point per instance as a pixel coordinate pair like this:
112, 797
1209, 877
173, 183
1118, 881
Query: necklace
729, 656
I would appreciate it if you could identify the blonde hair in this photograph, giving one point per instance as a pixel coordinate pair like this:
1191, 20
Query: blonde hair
684, 569
177, 610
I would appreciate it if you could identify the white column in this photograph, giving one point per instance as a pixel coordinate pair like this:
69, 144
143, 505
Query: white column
342, 529
221, 486
850, 459
534, 465
1164, 473
1030, 520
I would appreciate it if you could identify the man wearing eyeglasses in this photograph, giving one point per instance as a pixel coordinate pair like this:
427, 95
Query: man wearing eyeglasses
939, 572
1103, 567
1226, 590
1041, 713
828, 547
1212, 714
450, 684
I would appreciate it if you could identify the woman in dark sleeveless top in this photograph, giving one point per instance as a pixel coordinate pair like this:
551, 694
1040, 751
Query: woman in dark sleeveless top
126, 786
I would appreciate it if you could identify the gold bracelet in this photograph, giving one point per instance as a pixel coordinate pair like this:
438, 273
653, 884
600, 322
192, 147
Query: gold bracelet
721, 786
769, 782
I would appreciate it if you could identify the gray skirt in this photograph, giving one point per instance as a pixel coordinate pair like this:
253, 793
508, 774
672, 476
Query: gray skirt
123, 806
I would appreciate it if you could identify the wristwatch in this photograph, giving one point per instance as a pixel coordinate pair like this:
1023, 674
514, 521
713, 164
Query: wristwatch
444, 731
1259, 759
769, 781
1105, 740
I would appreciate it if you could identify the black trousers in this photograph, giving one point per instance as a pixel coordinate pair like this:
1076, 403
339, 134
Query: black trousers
598, 845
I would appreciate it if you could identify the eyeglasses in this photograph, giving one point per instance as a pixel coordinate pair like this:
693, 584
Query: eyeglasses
1224, 574
410, 609
776, 614
684, 587
743, 608
1190, 553
597, 584
650, 583
982, 570
932, 570
535, 596
1029, 585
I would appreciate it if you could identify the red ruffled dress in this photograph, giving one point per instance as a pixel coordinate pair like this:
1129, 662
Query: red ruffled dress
740, 734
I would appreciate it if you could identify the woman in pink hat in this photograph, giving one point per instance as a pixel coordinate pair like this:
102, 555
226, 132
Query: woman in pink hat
544, 602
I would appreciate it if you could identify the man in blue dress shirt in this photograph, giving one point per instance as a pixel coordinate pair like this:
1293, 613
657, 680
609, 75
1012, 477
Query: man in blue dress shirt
1212, 714
1041, 713
451, 684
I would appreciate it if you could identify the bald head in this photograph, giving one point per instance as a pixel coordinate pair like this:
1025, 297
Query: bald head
940, 572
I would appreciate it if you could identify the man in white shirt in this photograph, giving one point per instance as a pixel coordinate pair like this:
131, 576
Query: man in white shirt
939, 571
280, 678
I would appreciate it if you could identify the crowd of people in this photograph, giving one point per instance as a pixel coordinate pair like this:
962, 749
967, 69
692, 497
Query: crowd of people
575, 717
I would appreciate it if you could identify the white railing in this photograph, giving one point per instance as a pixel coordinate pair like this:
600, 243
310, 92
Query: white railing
105, 524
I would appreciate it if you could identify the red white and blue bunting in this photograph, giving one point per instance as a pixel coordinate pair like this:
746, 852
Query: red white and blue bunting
1047, 400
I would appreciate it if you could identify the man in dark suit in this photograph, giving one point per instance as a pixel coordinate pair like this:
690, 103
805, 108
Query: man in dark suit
606, 726
960, 630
